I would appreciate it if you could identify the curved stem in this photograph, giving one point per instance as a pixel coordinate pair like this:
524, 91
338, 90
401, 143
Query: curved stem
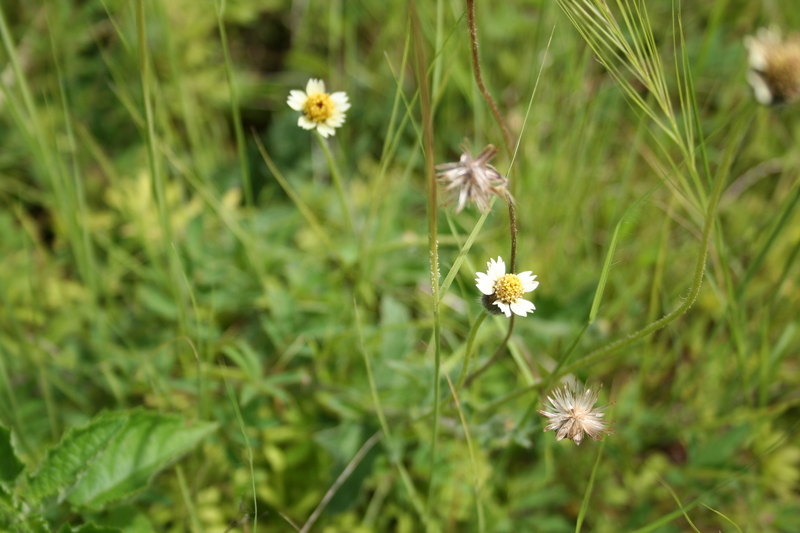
697, 282
497, 355
473, 333
476, 63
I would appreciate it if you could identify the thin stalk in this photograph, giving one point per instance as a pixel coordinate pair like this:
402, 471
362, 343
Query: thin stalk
344, 476
512, 226
155, 167
390, 444
336, 176
433, 244
476, 64
512, 218
697, 282
497, 355
473, 333
472, 458
235, 109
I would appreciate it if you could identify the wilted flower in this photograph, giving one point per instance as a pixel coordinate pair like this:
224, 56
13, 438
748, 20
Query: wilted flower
321, 110
503, 292
572, 413
774, 66
474, 179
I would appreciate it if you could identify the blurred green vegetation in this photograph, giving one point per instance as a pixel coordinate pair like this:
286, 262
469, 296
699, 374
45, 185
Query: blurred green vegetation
139, 274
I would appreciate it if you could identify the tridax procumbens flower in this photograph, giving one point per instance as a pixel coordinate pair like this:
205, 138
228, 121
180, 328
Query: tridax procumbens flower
774, 66
572, 414
321, 110
503, 292
474, 179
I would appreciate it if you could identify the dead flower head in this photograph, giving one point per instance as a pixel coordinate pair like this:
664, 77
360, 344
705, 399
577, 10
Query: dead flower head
774, 66
474, 179
571, 414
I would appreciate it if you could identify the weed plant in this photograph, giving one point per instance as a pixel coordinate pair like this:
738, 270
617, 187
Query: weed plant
212, 320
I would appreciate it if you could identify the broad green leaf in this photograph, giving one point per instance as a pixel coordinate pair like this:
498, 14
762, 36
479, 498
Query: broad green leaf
88, 528
147, 443
68, 459
10, 466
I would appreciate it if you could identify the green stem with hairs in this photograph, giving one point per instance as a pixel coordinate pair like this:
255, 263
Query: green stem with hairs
476, 64
433, 244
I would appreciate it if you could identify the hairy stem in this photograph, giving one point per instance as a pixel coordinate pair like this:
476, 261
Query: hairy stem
476, 64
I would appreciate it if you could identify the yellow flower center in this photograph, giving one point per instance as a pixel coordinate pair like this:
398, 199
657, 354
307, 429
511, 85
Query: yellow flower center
508, 288
318, 107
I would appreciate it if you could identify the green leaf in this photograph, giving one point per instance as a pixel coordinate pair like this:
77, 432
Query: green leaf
10, 466
147, 443
88, 528
65, 462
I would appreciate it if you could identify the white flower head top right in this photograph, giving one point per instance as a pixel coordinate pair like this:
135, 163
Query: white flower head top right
774, 72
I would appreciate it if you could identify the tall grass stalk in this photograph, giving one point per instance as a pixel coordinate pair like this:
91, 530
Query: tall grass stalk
235, 108
421, 70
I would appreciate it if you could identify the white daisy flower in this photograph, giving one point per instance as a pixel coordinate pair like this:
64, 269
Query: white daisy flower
474, 178
505, 290
321, 110
571, 414
774, 72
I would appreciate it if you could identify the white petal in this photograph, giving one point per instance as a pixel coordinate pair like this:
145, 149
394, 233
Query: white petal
528, 281
496, 269
325, 130
315, 86
484, 283
340, 100
503, 307
762, 91
756, 53
522, 307
297, 100
306, 124
336, 120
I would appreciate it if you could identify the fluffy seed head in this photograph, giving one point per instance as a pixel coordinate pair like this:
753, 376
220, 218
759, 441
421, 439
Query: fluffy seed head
571, 414
474, 179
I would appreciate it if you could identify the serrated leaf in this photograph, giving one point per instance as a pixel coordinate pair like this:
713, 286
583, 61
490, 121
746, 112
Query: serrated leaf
88, 528
67, 460
10, 465
147, 443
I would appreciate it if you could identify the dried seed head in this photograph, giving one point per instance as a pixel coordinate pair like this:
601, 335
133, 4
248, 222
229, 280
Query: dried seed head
474, 178
571, 414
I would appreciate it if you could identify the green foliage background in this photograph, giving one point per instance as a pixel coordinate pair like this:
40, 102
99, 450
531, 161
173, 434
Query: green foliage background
136, 274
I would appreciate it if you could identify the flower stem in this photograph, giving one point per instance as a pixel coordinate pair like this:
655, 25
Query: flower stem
337, 181
497, 355
512, 223
476, 64
473, 332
